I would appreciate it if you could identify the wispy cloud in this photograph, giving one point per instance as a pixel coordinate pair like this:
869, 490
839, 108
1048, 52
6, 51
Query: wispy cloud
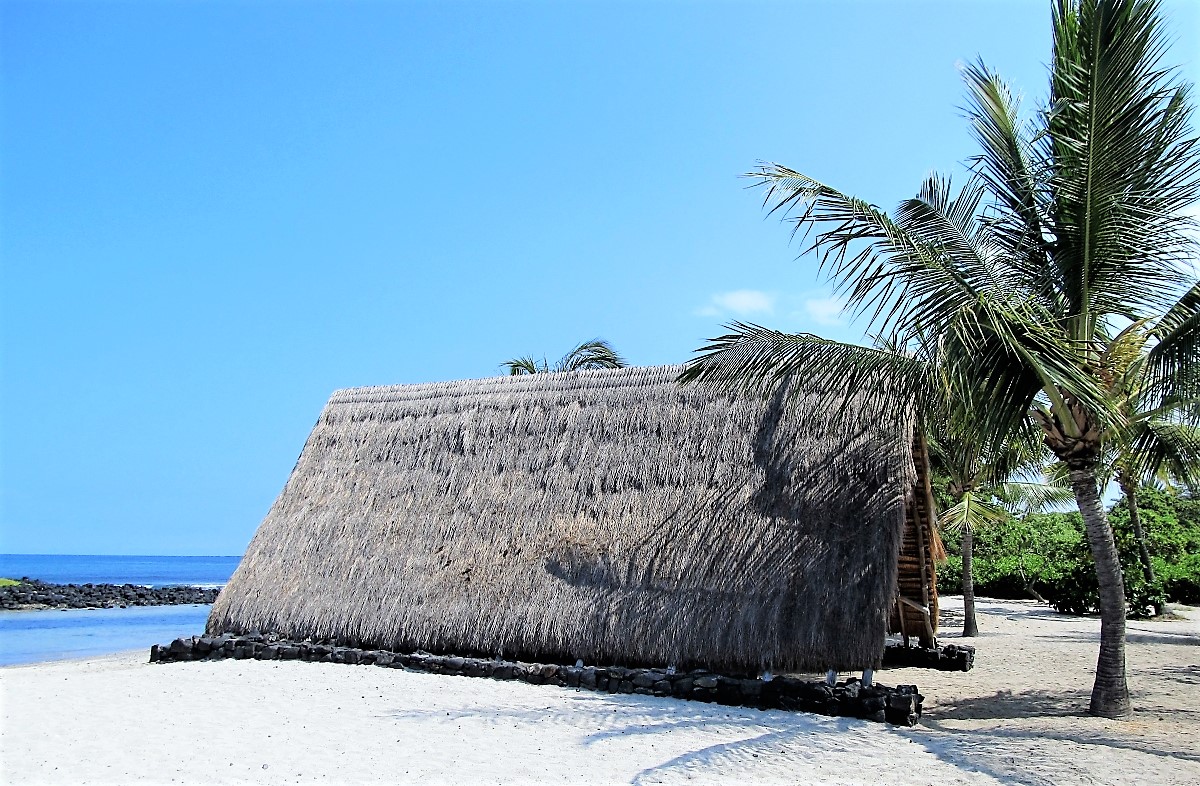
826, 310
801, 311
738, 303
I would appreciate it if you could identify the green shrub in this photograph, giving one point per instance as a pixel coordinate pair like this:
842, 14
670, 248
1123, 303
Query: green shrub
949, 575
1076, 590
1048, 555
1180, 580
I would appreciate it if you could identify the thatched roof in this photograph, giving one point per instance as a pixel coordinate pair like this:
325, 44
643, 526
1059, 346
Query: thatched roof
613, 516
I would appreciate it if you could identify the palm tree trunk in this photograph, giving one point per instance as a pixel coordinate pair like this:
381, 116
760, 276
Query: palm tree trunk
1110, 693
970, 628
1129, 489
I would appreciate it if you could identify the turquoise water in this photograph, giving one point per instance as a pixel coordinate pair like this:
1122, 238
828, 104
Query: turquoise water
34, 636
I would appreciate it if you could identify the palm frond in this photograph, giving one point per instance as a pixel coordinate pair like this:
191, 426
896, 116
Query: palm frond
1023, 497
935, 269
973, 512
594, 354
756, 360
523, 365
1125, 164
1010, 164
885, 268
1166, 448
1172, 368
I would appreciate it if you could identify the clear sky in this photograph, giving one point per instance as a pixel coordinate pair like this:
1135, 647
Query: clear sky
212, 215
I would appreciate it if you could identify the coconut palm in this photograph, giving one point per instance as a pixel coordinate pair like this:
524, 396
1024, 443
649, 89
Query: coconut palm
1070, 224
593, 354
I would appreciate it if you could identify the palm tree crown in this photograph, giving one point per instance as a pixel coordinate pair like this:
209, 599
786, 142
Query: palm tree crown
1070, 225
594, 354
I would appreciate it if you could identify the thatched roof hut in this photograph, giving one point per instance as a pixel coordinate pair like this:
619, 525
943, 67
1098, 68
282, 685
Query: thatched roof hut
613, 516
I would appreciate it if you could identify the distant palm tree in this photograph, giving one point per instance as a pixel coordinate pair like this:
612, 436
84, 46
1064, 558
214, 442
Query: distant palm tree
986, 486
1158, 439
593, 354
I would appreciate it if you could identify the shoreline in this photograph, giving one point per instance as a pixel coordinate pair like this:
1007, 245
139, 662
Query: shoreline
1018, 716
123, 656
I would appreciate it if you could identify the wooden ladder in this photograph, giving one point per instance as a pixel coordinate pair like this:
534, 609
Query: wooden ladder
916, 610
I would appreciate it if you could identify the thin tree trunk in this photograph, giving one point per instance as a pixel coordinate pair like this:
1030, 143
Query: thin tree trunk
970, 628
1129, 489
1110, 693
1025, 580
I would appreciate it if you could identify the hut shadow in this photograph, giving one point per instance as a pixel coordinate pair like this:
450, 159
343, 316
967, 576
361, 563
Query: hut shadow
1007, 705
1003, 754
998, 752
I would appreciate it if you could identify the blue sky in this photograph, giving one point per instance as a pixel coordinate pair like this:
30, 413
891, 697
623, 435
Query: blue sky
214, 214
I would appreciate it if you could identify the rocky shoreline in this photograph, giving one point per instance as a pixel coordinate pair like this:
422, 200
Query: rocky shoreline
900, 705
32, 594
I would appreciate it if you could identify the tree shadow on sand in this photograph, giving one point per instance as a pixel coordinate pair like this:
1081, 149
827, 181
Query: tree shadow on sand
1167, 637
1000, 751
1132, 637
1005, 705
733, 739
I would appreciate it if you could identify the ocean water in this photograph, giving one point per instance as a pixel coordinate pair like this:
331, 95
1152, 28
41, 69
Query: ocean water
110, 569
35, 636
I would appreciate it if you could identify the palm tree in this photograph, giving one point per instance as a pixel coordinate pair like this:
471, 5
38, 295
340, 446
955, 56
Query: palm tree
986, 487
593, 354
1158, 439
1070, 224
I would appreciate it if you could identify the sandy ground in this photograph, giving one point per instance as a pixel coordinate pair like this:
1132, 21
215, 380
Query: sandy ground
1017, 718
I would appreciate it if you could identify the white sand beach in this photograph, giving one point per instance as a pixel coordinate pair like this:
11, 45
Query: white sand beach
1018, 717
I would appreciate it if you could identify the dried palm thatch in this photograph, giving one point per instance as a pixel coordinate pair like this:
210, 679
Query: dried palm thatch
613, 516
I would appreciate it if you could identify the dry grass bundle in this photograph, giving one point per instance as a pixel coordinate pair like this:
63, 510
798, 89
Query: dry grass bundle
613, 516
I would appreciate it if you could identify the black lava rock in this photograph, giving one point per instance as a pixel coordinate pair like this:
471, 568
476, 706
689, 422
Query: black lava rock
35, 594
